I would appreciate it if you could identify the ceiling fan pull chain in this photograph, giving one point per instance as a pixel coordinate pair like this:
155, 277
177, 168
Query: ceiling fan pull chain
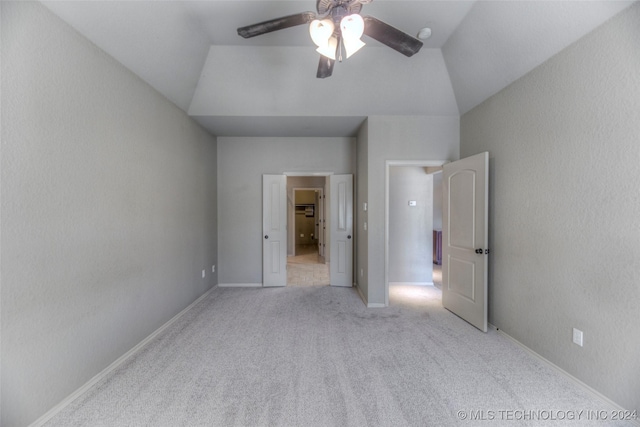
340, 50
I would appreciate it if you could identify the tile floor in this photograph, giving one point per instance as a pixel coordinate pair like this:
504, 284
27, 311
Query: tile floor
307, 268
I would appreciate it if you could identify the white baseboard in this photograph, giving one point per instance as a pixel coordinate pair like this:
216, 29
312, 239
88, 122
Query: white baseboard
376, 305
239, 285
605, 400
364, 300
106, 371
410, 283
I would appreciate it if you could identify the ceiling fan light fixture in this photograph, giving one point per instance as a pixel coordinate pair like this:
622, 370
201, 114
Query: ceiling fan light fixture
321, 31
329, 49
352, 28
352, 46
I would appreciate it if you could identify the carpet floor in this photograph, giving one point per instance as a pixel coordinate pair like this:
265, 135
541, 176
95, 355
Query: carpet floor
316, 356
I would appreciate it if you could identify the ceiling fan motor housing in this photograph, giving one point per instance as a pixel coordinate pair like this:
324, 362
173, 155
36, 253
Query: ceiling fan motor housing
338, 8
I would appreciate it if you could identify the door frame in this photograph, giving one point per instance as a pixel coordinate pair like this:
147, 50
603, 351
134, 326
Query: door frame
388, 165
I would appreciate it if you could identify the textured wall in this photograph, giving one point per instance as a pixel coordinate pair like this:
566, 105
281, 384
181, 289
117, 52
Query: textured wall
360, 216
241, 164
564, 207
108, 211
398, 138
410, 227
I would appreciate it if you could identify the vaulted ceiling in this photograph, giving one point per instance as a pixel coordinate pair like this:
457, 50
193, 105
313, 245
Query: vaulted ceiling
266, 86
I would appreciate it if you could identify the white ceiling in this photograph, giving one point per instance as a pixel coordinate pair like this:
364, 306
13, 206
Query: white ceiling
266, 86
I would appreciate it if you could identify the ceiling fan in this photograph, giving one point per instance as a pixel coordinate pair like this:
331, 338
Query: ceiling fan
337, 25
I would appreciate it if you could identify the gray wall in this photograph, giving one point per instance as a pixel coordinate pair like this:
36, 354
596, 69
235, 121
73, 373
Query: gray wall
564, 207
410, 227
393, 138
108, 211
360, 216
437, 201
241, 164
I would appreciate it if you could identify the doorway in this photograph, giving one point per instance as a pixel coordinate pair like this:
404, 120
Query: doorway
308, 222
307, 246
413, 203
278, 212
306, 265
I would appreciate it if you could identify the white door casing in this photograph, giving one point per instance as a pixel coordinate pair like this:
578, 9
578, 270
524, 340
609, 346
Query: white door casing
464, 238
341, 230
274, 230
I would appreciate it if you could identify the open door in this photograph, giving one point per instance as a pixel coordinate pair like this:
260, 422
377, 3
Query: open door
341, 230
274, 230
464, 238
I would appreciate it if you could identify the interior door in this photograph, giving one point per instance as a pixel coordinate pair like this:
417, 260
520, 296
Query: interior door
341, 230
274, 230
464, 238
321, 227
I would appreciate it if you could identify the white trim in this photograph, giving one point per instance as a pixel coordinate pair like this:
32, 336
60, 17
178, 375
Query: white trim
387, 165
376, 305
364, 300
239, 285
113, 366
411, 283
605, 400
307, 173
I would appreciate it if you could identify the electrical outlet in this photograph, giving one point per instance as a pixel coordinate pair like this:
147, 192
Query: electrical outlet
577, 337
365, 226
203, 273
362, 272
213, 268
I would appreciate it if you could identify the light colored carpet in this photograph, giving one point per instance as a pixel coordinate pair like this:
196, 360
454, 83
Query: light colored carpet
307, 274
316, 356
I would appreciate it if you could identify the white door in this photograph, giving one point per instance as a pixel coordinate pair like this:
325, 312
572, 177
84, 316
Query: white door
321, 227
274, 230
464, 238
341, 230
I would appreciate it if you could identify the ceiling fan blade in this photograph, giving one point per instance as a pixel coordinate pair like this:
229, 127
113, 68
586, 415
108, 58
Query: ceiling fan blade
390, 36
276, 24
325, 67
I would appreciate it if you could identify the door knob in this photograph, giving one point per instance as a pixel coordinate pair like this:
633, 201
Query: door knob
479, 251
266, 237
349, 236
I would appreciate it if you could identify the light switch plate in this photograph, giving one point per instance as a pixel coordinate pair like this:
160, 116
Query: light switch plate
413, 203
578, 337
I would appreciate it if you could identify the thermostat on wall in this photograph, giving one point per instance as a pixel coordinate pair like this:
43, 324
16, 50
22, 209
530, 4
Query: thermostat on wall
413, 203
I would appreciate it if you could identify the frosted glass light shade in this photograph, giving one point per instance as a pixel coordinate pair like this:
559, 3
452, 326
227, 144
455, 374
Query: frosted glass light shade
329, 50
321, 31
352, 28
